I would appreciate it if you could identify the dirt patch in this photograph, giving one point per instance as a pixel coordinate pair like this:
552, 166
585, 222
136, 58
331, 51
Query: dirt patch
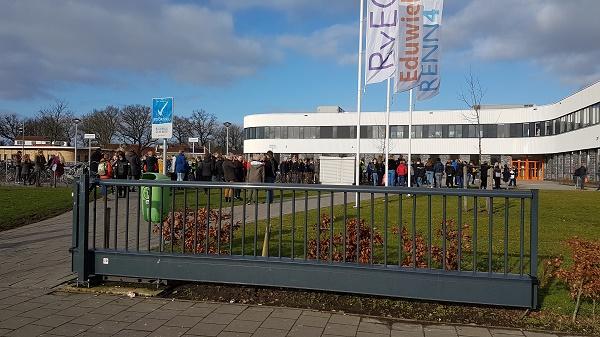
384, 307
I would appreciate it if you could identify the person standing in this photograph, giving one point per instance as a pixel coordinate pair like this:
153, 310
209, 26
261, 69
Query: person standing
181, 166
238, 167
419, 173
135, 165
229, 176
256, 174
449, 170
19, 167
39, 165
470, 174
497, 175
271, 166
95, 160
26, 170
429, 172
105, 171
484, 175
391, 171
121, 170
151, 163
206, 168
58, 167
438, 171
506, 175
581, 173
513, 177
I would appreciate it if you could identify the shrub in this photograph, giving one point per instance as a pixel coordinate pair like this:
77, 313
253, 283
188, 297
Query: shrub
583, 276
198, 234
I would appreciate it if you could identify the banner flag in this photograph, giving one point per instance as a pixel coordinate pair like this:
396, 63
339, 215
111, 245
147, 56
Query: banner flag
382, 32
409, 45
429, 85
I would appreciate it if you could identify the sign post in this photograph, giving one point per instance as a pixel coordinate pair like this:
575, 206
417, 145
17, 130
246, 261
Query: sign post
162, 123
193, 140
89, 137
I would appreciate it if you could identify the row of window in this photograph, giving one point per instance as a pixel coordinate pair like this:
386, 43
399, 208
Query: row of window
573, 121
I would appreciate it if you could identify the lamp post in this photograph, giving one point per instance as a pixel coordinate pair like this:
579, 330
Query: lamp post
227, 125
76, 121
22, 131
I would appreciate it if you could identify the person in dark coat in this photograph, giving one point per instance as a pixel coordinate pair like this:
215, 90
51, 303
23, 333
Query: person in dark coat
205, 169
121, 171
271, 166
151, 163
229, 176
506, 174
483, 174
135, 165
218, 168
449, 170
238, 167
94, 160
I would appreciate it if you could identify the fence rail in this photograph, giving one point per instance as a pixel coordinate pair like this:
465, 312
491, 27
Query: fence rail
470, 246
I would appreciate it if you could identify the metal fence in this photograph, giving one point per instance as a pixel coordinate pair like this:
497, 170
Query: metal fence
470, 246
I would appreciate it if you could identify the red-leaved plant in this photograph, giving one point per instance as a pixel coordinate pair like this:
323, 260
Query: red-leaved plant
195, 230
583, 276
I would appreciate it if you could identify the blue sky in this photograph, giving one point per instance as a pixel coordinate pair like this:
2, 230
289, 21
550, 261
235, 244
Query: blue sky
238, 57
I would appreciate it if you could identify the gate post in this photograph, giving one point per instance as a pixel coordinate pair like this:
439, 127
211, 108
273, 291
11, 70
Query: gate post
82, 265
534, 245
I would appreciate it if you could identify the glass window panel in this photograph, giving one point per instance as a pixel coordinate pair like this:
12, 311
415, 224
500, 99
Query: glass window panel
516, 130
428, 131
417, 131
452, 131
585, 117
446, 131
438, 131
548, 126
294, 132
472, 131
326, 132
284, 132
342, 132
260, 133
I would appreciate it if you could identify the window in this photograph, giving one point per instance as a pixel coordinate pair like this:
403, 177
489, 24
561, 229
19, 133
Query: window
548, 128
578, 121
252, 133
455, 131
435, 131
596, 114
399, 131
294, 132
586, 117
472, 131
516, 130
284, 132
260, 133
490, 131
417, 131
563, 124
343, 132
503, 130
326, 132
538, 130
570, 118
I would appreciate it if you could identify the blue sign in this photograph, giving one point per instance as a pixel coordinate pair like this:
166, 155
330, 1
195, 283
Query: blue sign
162, 117
162, 110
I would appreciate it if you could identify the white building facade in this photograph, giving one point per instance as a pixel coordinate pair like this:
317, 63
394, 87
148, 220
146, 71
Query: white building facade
545, 142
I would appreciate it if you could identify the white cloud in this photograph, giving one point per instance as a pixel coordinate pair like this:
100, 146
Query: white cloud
560, 36
292, 7
333, 43
46, 43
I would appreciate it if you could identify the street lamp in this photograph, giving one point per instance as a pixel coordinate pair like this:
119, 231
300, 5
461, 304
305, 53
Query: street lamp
22, 131
76, 121
227, 125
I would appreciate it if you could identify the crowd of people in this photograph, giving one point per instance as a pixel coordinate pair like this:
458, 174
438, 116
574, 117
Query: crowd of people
297, 171
29, 172
435, 174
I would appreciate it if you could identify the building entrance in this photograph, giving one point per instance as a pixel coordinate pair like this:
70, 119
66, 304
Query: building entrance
529, 169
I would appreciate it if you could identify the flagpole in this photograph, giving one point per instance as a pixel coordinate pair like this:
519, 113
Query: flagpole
359, 95
387, 132
410, 111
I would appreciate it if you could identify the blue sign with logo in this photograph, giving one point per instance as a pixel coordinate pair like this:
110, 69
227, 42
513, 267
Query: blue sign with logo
162, 110
162, 117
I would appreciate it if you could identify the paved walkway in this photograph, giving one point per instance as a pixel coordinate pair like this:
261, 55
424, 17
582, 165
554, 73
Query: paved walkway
35, 260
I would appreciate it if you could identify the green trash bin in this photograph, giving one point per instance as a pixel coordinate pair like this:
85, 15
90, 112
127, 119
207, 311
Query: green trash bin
152, 209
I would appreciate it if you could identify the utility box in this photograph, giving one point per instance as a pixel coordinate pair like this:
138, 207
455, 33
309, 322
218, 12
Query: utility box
337, 170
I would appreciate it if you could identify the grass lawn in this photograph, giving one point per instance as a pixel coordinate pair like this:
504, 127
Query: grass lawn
25, 205
562, 215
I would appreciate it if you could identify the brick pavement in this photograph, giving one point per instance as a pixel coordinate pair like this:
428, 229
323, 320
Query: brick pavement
35, 312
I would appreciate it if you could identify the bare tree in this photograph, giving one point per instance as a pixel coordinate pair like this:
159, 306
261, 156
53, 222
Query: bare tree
103, 123
136, 126
9, 126
204, 125
472, 96
182, 129
236, 138
55, 121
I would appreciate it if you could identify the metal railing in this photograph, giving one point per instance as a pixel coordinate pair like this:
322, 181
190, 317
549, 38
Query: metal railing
470, 246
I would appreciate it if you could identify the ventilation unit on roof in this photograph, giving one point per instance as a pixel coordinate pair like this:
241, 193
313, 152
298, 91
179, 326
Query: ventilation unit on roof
330, 109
